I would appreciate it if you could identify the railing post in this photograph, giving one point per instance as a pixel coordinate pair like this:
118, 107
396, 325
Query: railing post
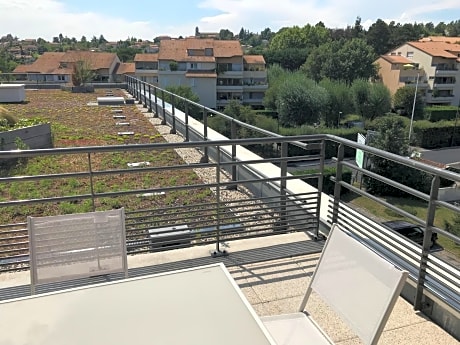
150, 99
282, 224
218, 252
187, 134
418, 302
144, 104
320, 186
91, 182
139, 94
233, 135
173, 114
156, 102
337, 186
205, 158
163, 120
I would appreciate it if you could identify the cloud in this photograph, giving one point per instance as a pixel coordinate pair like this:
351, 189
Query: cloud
49, 18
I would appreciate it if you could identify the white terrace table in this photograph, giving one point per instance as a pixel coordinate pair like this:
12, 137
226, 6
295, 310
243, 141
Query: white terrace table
197, 306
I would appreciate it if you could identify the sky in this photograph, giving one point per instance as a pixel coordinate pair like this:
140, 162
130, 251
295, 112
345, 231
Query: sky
146, 19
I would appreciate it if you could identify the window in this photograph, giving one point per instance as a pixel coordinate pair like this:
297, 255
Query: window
193, 65
410, 55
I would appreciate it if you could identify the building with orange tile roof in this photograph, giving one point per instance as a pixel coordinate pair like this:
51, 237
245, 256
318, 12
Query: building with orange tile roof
216, 70
58, 66
435, 63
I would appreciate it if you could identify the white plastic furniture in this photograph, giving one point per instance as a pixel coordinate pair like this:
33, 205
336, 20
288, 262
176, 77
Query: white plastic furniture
201, 305
75, 246
357, 283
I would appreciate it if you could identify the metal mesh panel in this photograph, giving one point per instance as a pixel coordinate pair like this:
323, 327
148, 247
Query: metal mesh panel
77, 245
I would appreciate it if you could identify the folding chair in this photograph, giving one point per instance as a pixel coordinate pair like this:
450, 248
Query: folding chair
357, 283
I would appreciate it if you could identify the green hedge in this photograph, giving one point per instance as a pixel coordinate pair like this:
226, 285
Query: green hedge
432, 135
438, 113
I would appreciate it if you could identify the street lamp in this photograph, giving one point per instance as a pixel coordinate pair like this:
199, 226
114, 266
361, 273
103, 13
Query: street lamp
338, 120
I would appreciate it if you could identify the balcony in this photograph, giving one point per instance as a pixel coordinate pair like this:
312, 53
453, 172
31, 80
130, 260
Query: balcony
265, 224
446, 71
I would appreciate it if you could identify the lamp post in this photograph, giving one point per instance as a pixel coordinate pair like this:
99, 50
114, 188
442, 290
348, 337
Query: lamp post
413, 107
338, 120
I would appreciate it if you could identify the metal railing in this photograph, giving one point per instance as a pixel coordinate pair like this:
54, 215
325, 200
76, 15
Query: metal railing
430, 273
161, 215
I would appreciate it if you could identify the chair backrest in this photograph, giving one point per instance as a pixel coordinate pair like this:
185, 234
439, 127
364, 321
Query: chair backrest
357, 283
76, 245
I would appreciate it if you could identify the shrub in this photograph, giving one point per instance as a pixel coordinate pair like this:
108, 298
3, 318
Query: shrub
438, 113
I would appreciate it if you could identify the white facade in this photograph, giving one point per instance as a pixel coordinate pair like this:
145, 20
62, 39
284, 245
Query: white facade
442, 74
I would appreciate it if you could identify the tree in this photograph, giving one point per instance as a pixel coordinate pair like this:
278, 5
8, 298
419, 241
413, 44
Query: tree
344, 60
289, 58
226, 34
82, 73
360, 91
127, 54
266, 34
275, 75
403, 101
454, 226
102, 40
391, 136
357, 31
379, 37
300, 101
379, 101
357, 60
185, 92
295, 37
340, 101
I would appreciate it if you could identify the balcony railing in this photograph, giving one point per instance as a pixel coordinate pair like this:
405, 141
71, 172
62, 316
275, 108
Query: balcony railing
271, 200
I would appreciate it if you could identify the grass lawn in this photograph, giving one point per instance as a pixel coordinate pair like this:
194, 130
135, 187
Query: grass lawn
75, 123
416, 207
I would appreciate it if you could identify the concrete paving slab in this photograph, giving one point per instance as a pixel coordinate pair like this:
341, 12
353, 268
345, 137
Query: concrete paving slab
274, 287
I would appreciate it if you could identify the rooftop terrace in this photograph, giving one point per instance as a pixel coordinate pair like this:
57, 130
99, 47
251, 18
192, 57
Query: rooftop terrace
274, 249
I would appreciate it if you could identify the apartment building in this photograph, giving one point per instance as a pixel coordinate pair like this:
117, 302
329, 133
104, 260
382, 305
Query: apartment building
216, 70
434, 63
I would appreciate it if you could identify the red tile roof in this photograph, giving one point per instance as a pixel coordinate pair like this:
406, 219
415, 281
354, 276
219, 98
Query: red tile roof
176, 50
54, 62
126, 68
254, 59
441, 39
397, 59
95, 59
438, 49
146, 57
